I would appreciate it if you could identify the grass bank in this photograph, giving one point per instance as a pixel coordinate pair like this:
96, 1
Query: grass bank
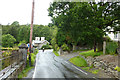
78, 61
91, 53
90, 69
80, 50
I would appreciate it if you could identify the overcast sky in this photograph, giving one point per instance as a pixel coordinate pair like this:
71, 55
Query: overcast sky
20, 10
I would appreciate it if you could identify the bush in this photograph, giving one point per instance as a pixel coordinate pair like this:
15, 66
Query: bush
47, 46
21, 42
56, 47
36, 51
117, 68
111, 47
8, 40
65, 47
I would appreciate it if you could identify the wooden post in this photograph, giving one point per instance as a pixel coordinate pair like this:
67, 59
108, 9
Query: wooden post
31, 31
104, 47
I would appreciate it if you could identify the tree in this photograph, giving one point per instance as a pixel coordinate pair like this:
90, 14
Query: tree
8, 40
13, 29
81, 27
23, 33
42, 31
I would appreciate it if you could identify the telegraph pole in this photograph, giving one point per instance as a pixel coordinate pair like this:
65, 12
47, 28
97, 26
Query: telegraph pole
31, 31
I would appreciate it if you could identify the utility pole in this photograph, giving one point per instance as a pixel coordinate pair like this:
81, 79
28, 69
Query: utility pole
31, 31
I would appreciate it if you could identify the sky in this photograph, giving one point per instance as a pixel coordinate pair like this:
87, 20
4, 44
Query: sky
20, 10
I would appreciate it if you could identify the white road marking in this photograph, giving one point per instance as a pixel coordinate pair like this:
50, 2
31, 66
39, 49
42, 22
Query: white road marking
76, 76
95, 78
66, 62
79, 69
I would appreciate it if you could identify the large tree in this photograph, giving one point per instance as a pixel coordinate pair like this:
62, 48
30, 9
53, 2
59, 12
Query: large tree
8, 40
81, 27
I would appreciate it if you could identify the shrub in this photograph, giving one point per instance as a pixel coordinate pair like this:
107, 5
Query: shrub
36, 51
8, 40
56, 47
65, 47
111, 47
117, 68
47, 46
21, 42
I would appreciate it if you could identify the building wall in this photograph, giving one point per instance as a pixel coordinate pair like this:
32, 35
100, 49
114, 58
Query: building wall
114, 37
42, 38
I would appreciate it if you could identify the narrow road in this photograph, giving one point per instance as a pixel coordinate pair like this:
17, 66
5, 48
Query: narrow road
50, 66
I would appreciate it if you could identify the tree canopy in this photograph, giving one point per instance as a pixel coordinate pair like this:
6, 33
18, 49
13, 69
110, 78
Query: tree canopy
84, 22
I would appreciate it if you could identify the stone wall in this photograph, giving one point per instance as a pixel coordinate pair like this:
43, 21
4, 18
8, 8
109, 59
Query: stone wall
17, 68
107, 67
13, 72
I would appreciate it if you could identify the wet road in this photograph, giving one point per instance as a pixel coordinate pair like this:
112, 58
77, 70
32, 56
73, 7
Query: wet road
50, 66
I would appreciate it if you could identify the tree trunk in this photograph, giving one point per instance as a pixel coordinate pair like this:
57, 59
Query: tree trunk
95, 46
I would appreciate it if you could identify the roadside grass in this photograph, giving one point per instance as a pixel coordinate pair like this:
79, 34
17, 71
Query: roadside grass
25, 72
9, 48
90, 69
117, 68
94, 71
91, 53
56, 53
78, 61
81, 50
86, 68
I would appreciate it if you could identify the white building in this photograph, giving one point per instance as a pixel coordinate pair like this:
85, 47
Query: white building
114, 37
39, 42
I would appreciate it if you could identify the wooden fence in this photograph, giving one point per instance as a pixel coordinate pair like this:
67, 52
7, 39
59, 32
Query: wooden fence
10, 61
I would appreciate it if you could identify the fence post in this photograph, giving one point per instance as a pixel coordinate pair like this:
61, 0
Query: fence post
23, 50
104, 45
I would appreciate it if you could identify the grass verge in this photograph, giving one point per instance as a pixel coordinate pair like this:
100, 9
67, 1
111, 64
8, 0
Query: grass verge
78, 61
91, 53
89, 69
25, 72
80, 50
56, 53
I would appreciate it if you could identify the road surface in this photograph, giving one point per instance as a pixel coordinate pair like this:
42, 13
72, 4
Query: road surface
50, 66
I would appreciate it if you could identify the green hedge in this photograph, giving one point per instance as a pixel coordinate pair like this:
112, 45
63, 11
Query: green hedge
111, 47
47, 46
65, 47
